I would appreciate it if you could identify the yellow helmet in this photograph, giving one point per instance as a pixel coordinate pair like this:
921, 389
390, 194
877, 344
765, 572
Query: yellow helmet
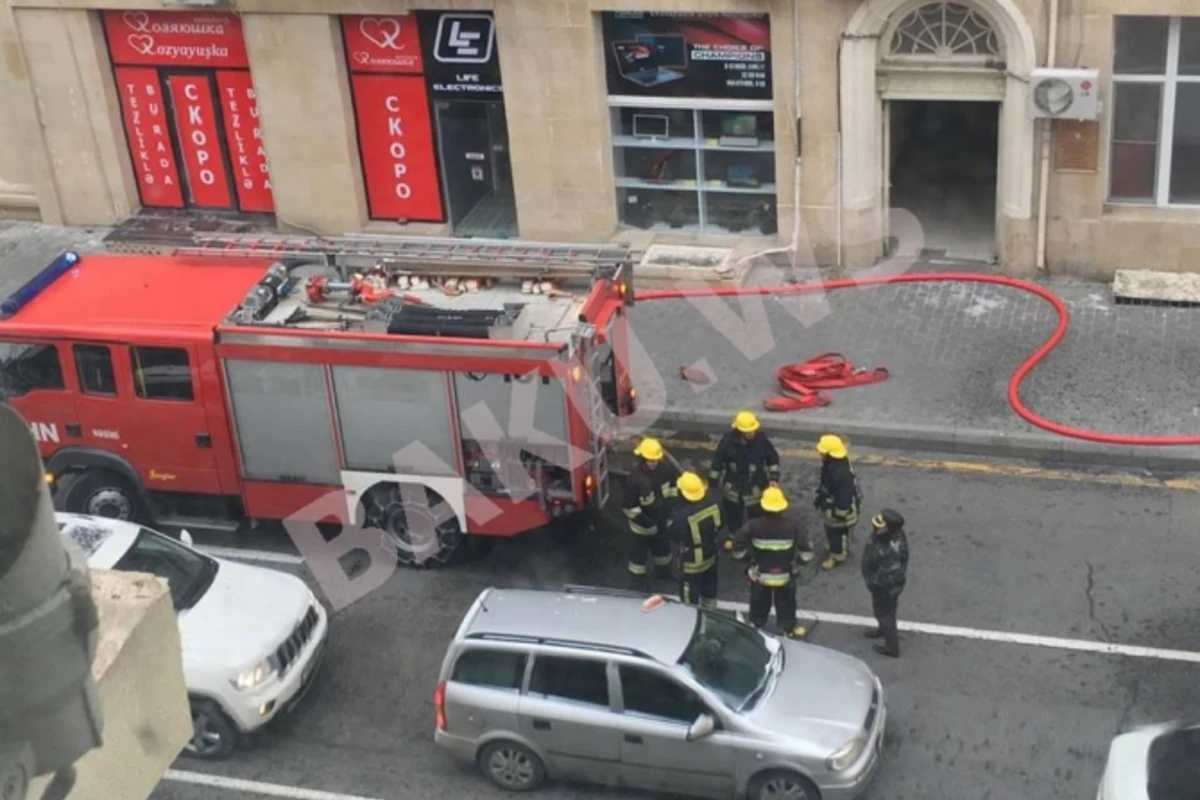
773, 500
690, 486
745, 421
649, 449
831, 446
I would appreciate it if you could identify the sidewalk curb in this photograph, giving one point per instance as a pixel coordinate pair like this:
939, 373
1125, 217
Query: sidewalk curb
946, 439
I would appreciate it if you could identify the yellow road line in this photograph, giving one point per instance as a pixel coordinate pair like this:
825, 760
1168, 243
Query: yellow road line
1180, 484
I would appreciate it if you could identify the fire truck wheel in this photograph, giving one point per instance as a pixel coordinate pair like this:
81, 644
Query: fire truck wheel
404, 523
100, 493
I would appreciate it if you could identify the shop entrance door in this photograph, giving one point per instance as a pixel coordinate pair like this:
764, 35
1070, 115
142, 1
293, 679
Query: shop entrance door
476, 171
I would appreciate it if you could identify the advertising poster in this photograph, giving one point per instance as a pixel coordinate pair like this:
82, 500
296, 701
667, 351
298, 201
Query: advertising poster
383, 44
146, 127
395, 138
175, 39
244, 142
725, 56
196, 125
459, 49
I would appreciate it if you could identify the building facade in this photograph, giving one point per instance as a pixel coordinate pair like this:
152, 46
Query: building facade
857, 128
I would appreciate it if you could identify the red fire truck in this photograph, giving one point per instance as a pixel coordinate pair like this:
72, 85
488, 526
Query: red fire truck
249, 379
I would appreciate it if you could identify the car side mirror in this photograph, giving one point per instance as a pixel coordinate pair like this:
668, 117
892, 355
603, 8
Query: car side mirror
186, 538
702, 727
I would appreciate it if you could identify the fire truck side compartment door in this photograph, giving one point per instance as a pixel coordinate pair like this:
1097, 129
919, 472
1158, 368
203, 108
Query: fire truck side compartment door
166, 417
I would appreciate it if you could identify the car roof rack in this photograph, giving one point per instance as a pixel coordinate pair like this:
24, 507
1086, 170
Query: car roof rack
607, 591
568, 643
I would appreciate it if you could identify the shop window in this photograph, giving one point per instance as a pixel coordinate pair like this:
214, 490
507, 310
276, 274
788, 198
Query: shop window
281, 412
93, 365
692, 121
161, 373
1155, 151
514, 434
28, 368
695, 170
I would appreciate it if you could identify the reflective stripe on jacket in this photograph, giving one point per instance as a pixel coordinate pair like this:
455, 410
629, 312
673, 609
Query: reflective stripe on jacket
697, 528
771, 541
649, 495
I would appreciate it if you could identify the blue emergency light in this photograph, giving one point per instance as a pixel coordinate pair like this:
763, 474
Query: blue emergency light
34, 286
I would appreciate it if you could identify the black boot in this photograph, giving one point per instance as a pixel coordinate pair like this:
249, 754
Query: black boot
874, 633
884, 650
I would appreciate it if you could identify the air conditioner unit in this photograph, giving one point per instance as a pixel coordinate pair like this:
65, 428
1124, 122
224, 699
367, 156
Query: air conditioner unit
1064, 94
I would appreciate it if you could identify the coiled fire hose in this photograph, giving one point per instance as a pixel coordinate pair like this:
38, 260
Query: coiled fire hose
1014, 382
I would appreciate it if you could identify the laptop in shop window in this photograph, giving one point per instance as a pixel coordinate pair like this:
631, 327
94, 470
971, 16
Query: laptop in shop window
638, 62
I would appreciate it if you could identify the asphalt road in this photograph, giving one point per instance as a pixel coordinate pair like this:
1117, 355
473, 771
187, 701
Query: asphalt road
969, 719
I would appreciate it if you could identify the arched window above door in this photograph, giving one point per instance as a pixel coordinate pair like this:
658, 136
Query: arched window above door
950, 33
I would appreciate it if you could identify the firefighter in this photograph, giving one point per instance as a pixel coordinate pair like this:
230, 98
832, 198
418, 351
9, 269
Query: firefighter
649, 494
744, 465
837, 498
776, 543
696, 526
885, 571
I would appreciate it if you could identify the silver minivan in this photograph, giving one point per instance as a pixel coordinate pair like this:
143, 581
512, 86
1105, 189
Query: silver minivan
653, 694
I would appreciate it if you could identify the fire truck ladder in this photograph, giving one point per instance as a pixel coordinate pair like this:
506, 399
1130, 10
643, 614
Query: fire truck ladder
465, 258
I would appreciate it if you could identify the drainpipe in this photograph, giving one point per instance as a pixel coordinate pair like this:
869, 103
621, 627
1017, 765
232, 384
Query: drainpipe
1044, 186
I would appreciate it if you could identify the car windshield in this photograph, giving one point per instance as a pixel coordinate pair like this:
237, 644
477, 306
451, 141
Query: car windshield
1174, 765
188, 574
728, 658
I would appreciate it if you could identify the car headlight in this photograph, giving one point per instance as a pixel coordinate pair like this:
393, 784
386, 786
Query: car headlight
255, 676
847, 754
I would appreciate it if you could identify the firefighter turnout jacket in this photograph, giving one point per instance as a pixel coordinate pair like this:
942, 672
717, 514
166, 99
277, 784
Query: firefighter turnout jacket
837, 496
697, 528
743, 467
773, 543
649, 496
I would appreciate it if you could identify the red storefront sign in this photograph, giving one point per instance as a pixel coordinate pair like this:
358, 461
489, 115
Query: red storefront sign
196, 126
383, 44
175, 39
149, 137
396, 142
243, 137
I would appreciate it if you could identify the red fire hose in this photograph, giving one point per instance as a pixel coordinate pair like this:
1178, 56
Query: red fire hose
1014, 382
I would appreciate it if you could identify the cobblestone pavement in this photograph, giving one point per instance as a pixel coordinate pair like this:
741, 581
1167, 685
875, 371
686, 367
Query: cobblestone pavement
950, 349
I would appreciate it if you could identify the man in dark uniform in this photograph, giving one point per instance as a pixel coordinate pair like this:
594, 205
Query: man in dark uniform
837, 498
775, 543
696, 527
649, 494
744, 465
885, 571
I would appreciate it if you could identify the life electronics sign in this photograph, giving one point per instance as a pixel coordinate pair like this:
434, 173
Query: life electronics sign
391, 111
201, 126
175, 39
459, 48
726, 56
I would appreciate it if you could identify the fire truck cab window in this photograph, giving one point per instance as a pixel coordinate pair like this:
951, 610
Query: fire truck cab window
282, 415
161, 373
514, 434
394, 420
28, 368
93, 365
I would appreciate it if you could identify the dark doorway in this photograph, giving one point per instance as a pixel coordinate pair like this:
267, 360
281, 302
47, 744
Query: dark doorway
943, 171
476, 171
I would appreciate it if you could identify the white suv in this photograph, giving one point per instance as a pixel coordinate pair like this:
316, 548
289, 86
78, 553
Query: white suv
252, 637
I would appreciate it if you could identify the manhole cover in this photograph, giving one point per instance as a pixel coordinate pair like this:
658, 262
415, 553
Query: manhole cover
661, 255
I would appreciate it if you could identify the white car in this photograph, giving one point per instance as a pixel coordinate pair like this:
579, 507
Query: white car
252, 637
1157, 762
